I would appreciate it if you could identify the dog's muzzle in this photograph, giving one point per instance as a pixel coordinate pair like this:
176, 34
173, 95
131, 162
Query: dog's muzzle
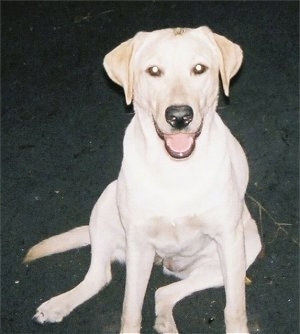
179, 145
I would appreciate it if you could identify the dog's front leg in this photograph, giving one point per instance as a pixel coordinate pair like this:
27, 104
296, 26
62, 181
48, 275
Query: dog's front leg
231, 250
139, 262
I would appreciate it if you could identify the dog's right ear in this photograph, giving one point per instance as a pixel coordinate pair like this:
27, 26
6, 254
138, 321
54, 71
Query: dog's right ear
117, 64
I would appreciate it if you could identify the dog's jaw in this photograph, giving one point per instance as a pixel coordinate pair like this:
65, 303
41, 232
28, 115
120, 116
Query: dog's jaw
179, 145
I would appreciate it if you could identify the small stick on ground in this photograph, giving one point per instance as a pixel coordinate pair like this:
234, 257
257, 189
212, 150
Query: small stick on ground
280, 226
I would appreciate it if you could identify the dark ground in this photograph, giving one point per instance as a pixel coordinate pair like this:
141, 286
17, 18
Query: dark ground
62, 129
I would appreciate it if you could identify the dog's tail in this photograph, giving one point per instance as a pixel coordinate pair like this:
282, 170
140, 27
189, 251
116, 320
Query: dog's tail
75, 238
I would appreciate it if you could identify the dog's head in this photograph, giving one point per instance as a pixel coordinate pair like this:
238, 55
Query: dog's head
172, 75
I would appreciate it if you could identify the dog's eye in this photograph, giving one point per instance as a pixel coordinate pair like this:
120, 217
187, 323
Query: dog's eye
154, 71
199, 69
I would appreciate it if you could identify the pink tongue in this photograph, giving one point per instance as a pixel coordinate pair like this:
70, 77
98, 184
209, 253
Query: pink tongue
180, 142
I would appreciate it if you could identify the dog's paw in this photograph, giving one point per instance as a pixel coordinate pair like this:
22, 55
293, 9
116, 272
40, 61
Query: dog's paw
165, 324
52, 310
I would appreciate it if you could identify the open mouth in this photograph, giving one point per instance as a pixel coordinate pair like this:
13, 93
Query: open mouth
179, 145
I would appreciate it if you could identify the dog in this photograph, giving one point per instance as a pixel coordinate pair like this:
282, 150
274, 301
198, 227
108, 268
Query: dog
179, 197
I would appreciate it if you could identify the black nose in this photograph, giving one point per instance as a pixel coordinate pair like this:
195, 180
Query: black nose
179, 117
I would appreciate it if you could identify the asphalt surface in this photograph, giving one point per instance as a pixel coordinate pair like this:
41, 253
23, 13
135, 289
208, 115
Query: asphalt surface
62, 128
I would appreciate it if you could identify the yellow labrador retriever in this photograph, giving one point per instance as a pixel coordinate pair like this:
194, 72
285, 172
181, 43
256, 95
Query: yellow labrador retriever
180, 193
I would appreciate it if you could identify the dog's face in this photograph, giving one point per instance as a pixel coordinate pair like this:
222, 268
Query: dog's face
172, 76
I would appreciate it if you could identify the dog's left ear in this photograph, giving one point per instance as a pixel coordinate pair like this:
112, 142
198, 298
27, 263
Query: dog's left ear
117, 64
230, 60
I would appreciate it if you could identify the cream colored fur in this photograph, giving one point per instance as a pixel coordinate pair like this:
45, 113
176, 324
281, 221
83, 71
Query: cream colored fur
187, 210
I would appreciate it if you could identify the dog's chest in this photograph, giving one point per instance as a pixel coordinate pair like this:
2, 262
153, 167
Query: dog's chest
171, 236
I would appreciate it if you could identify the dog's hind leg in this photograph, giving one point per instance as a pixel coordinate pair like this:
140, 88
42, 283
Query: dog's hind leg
209, 275
107, 245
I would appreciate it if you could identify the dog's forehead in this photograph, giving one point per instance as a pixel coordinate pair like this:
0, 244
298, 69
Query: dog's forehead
174, 42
